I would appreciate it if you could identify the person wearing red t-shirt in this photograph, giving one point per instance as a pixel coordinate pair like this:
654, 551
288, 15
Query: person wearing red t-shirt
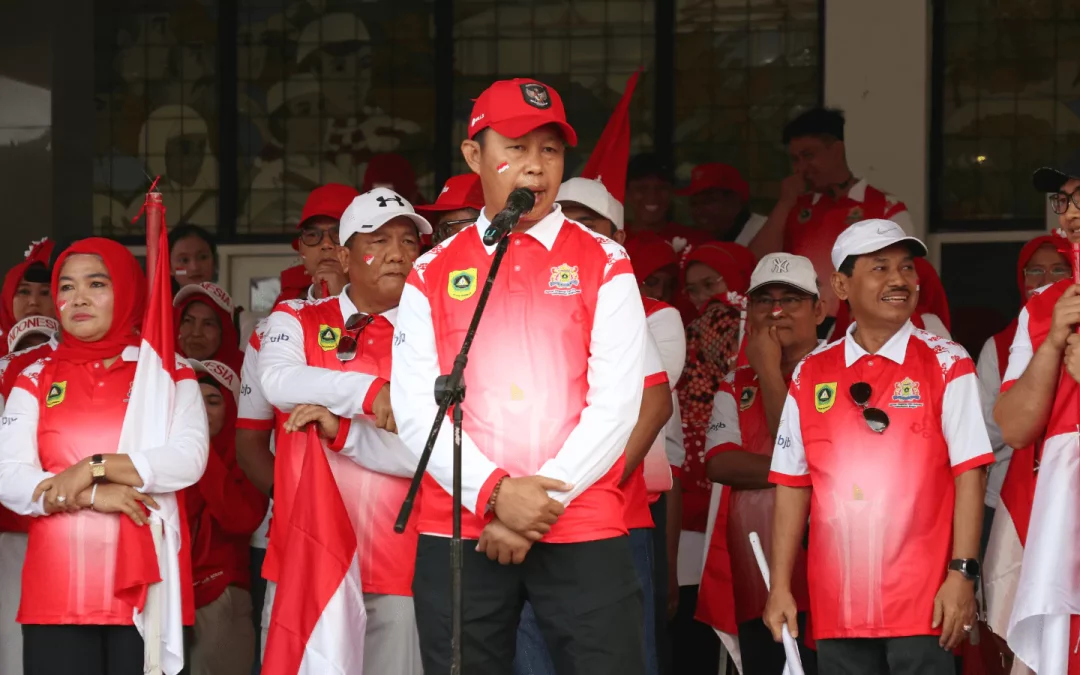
1038, 414
648, 197
821, 197
457, 206
58, 463
881, 443
223, 509
554, 388
335, 353
720, 203
783, 315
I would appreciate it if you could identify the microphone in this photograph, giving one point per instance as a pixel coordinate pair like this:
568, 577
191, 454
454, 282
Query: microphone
518, 203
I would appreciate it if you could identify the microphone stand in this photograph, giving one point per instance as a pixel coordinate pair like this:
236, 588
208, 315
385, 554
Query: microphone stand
450, 390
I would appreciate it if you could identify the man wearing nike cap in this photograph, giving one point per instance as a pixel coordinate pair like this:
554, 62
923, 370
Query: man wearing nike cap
334, 353
554, 385
458, 206
881, 442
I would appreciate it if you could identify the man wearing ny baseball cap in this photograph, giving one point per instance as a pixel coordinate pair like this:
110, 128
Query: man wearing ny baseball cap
885, 427
333, 354
458, 206
784, 310
719, 203
554, 387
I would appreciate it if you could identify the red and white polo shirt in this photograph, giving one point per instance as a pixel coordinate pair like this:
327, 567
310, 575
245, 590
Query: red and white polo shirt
298, 364
881, 513
554, 377
732, 588
255, 412
60, 413
817, 219
636, 487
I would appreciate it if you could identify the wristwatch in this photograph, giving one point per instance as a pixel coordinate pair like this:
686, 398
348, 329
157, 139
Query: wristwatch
97, 468
969, 567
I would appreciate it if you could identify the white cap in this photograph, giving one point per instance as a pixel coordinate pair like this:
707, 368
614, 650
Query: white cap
868, 236
373, 209
216, 293
785, 268
593, 195
32, 325
224, 375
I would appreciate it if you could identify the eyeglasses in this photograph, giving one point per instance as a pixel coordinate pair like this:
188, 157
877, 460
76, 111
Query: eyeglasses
313, 236
1059, 201
788, 303
875, 418
346, 346
1057, 272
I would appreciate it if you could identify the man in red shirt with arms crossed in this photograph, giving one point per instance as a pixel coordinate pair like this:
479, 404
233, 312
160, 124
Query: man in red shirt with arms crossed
554, 386
881, 443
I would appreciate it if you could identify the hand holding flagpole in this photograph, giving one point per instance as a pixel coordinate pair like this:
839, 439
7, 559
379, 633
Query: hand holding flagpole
791, 648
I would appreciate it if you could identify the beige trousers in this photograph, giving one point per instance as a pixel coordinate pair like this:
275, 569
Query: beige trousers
224, 636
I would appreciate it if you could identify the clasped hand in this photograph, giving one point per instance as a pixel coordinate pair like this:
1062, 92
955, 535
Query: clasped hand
524, 513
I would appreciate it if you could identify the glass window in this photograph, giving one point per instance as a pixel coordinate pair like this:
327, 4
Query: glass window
586, 50
1006, 104
157, 111
321, 89
743, 68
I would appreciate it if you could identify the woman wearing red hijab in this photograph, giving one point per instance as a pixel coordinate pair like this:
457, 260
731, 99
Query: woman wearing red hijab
26, 290
715, 269
58, 463
203, 318
223, 509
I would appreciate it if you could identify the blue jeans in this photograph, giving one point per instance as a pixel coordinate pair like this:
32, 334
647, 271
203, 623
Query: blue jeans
531, 656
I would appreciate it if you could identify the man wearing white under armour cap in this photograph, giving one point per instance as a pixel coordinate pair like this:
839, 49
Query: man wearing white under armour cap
335, 353
884, 429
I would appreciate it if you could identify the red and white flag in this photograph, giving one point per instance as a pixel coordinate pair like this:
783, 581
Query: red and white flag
318, 621
150, 574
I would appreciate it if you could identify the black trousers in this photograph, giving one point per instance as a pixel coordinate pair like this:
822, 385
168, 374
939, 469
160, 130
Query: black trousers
761, 655
660, 584
916, 655
82, 650
586, 597
695, 647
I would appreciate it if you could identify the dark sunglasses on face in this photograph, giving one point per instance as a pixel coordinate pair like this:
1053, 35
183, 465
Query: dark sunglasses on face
346, 347
875, 418
313, 236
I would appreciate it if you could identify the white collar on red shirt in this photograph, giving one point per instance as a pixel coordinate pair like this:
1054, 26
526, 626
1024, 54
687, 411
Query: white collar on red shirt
857, 193
544, 230
348, 308
894, 350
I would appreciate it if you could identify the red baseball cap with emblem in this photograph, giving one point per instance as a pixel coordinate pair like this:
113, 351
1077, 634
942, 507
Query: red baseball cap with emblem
716, 176
515, 107
460, 192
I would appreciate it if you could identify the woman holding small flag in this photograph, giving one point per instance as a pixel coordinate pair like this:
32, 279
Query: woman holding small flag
88, 574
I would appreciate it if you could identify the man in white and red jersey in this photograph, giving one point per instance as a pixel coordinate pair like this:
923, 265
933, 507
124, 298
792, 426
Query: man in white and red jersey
881, 442
822, 197
1039, 407
335, 353
784, 310
255, 456
554, 388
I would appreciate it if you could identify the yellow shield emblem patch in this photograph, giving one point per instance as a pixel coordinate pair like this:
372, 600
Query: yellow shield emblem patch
56, 394
328, 337
824, 396
462, 284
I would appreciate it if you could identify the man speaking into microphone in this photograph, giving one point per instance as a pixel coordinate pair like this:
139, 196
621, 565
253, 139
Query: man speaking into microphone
553, 389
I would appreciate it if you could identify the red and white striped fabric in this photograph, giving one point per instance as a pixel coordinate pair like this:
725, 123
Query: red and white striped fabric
318, 622
146, 425
1042, 623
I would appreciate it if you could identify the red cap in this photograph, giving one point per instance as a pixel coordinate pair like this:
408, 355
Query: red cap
460, 192
329, 200
647, 255
716, 176
391, 171
515, 107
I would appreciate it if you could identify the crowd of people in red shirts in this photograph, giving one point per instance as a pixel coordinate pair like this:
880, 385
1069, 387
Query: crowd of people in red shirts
683, 445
